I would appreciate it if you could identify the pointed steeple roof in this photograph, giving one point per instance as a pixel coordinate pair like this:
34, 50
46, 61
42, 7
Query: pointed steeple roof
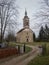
25, 12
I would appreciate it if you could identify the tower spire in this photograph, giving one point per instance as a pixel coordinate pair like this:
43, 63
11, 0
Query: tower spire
25, 12
26, 20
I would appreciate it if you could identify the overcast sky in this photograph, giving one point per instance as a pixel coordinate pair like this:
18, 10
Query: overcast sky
32, 6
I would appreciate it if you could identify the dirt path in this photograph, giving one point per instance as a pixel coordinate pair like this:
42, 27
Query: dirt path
23, 60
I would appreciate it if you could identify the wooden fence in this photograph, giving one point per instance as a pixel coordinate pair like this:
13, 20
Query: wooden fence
5, 52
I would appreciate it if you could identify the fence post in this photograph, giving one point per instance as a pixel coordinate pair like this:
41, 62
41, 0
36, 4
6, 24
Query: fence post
24, 47
19, 49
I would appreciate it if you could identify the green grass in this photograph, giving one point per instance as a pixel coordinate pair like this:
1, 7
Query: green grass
27, 49
40, 60
34, 43
31, 43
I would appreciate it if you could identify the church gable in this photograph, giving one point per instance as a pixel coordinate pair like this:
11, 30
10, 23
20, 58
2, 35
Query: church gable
20, 30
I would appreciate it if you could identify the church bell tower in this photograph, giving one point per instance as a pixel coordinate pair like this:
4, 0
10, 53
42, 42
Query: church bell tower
25, 20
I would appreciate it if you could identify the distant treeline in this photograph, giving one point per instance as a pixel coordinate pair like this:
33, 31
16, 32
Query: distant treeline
43, 34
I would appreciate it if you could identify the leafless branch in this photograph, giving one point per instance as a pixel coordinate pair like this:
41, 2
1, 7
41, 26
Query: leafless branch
7, 11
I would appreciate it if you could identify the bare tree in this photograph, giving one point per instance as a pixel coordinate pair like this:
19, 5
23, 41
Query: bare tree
43, 14
10, 37
8, 15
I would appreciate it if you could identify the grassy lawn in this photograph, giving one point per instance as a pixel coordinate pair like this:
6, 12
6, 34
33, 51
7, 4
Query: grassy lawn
33, 43
27, 49
40, 60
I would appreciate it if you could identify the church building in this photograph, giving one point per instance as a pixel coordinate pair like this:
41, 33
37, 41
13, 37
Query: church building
25, 34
